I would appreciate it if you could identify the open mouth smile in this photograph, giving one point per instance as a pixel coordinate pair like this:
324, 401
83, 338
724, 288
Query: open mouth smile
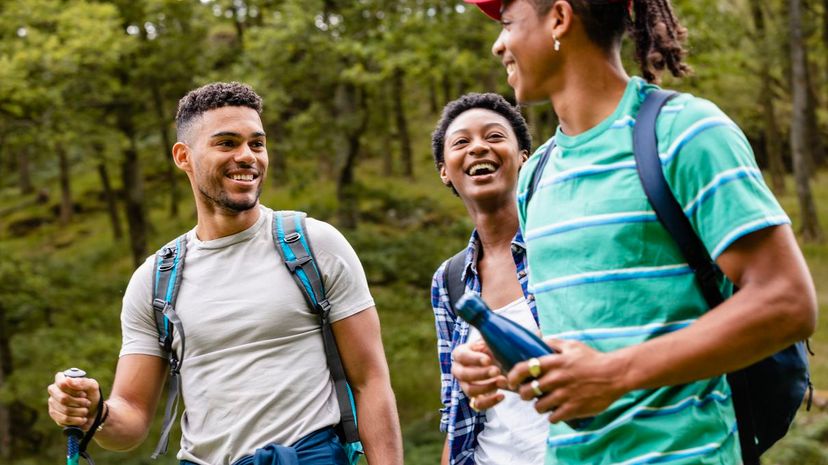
481, 168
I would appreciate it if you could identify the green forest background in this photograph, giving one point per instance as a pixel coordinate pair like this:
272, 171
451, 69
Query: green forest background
352, 90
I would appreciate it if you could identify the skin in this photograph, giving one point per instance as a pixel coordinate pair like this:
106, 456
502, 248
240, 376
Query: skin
775, 307
475, 136
222, 143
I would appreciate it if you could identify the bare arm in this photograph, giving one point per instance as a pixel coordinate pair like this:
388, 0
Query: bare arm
132, 404
444, 458
360, 346
775, 307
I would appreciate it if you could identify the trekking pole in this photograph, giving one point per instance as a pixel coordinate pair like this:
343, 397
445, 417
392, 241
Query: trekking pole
73, 433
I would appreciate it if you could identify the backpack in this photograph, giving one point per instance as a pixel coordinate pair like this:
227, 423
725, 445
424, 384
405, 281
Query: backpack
767, 394
293, 245
453, 277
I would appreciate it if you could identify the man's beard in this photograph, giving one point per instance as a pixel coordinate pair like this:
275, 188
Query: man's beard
223, 201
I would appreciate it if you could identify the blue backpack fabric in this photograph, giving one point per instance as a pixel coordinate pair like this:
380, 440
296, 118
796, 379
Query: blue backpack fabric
767, 394
293, 245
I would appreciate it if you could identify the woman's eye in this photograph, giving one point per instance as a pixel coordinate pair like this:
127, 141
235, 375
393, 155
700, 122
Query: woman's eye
459, 142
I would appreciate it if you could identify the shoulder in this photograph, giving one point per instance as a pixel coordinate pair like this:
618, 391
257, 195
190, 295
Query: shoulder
687, 117
324, 235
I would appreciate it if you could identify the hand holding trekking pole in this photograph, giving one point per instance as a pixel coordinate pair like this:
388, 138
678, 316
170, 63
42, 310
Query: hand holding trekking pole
76, 404
73, 433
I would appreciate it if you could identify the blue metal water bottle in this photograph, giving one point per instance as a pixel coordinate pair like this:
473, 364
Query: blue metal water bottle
509, 342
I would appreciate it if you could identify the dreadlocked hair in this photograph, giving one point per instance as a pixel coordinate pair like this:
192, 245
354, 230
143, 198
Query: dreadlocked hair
658, 36
659, 39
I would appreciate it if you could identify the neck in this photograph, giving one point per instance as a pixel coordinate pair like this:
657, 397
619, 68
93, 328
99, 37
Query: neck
496, 229
589, 90
217, 223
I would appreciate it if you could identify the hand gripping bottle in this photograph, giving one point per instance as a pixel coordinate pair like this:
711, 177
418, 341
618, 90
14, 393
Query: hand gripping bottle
509, 342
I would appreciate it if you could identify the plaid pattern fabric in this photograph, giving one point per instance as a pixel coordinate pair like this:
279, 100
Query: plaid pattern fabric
457, 419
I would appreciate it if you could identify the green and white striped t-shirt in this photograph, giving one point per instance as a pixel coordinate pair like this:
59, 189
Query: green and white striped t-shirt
605, 272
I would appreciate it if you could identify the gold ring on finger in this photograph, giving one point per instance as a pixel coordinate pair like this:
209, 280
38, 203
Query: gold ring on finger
472, 404
536, 388
534, 367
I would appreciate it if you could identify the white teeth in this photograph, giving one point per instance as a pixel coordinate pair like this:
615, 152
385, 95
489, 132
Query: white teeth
510, 68
482, 168
242, 177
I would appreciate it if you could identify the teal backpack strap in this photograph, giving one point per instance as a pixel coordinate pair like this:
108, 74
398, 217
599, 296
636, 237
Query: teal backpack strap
169, 264
293, 244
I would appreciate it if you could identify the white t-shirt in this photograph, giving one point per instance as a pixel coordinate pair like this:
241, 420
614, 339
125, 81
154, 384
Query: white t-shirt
254, 370
514, 433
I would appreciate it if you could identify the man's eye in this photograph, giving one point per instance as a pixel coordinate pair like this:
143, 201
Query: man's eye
257, 144
226, 143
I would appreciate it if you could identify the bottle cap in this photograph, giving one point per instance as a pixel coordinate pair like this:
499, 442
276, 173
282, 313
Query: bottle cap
471, 308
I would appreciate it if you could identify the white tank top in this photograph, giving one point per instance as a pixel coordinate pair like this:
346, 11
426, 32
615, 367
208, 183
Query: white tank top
514, 433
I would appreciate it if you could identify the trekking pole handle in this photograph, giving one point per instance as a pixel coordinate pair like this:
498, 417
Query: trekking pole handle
73, 433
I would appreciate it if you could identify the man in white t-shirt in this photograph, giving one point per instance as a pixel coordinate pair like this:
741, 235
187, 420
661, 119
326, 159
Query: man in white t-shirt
253, 371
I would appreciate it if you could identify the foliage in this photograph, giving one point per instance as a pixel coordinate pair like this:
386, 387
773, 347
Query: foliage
100, 80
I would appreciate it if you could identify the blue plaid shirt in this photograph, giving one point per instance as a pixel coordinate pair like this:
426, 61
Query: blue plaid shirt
457, 419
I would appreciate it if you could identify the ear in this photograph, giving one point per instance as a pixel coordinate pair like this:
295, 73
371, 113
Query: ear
443, 174
524, 155
181, 156
558, 21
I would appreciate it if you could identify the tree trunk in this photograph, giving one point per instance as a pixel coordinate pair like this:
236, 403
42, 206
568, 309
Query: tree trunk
817, 151
387, 135
432, 94
406, 155
133, 189
164, 132
5, 371
350, 101
111, 204
25, 174
810, 228
772, 140
65, 186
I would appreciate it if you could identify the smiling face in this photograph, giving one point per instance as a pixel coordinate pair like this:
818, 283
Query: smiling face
525, 47
482, 158
225, 158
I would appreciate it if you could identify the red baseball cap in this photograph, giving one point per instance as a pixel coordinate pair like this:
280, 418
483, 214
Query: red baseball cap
490, 7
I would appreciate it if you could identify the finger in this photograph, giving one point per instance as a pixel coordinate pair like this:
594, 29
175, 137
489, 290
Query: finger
558, 345
551, 402
465, 355
69, 399
62, 417
473, 373
519, 374
487, 401
80, 412
479, 388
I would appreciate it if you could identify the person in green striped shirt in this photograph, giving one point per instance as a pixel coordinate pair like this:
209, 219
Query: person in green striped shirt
637, 347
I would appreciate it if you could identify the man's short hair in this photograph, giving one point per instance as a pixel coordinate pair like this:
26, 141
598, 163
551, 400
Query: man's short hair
487, 101
212, 96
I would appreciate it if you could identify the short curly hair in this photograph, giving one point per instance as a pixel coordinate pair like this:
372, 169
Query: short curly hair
212, 96
471, 101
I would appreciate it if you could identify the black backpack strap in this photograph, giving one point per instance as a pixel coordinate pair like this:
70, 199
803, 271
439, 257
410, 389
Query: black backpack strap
293, 244
537, 175
453, 277
169, 265
672, 217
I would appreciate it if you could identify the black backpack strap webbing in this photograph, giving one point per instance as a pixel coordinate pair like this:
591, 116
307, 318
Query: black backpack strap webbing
293, 244
453, 277
537, 175
169, 265
672, 217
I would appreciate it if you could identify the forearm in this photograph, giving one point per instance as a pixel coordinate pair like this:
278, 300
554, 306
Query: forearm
379, 425
444, 458
125, 428
753, 324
